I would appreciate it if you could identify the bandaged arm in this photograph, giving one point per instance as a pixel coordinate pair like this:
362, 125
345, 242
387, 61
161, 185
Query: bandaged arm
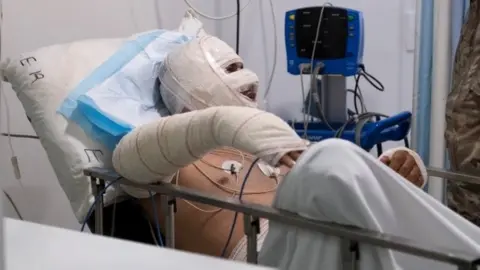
155, 152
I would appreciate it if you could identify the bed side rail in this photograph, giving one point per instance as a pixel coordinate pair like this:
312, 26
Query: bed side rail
353, 235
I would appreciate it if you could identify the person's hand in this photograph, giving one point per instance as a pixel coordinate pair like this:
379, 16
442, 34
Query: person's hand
290, 159
404, 164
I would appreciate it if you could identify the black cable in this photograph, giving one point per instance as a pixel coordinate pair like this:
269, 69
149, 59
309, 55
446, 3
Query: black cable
237, 48
370, 79
97, 197
356, 94
356, 97
15, 208
379, 145
157, 222
22, 136
230, 234
405, 141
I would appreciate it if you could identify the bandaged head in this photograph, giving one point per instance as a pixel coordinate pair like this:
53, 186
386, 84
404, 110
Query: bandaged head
204, 73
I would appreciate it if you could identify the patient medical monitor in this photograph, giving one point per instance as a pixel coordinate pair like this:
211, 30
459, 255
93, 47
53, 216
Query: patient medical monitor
340, 39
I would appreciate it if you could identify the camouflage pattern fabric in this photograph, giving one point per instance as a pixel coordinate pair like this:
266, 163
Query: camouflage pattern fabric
463, 118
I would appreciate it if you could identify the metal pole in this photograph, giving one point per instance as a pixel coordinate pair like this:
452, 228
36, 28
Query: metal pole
252, 229
169, 206
334, 98
441, 73
453, 176
416, 76
97, 188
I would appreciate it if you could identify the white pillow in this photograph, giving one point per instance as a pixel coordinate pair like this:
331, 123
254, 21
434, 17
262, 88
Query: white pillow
42, 79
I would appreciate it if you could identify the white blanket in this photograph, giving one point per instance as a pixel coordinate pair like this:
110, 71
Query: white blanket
337, 181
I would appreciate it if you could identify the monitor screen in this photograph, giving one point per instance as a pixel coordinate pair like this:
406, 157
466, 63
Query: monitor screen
333, 34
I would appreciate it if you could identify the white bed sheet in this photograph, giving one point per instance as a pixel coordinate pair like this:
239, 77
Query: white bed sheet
33, 246
339, 182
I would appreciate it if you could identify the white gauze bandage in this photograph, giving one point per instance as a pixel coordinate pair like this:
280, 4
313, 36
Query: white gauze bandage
418, 160
203, 73
155, 152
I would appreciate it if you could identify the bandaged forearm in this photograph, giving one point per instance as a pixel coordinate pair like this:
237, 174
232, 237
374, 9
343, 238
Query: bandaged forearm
156, 151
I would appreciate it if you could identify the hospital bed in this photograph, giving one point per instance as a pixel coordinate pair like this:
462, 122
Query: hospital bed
51, 91
351, 236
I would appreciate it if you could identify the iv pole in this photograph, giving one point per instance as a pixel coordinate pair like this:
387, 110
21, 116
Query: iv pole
441, 63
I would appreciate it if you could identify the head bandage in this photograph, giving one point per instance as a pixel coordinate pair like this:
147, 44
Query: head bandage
195, 77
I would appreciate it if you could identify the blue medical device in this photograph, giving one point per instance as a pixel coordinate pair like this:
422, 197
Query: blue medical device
339, 54
339, 43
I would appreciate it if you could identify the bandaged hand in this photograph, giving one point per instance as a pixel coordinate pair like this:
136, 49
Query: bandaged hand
405, 163
290, 159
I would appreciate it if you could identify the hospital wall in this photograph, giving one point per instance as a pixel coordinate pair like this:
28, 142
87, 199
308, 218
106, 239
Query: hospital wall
29, 24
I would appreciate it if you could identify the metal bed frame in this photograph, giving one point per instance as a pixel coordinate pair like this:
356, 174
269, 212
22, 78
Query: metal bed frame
350, 235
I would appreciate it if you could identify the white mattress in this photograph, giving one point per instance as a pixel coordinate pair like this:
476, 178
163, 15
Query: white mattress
34, 246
